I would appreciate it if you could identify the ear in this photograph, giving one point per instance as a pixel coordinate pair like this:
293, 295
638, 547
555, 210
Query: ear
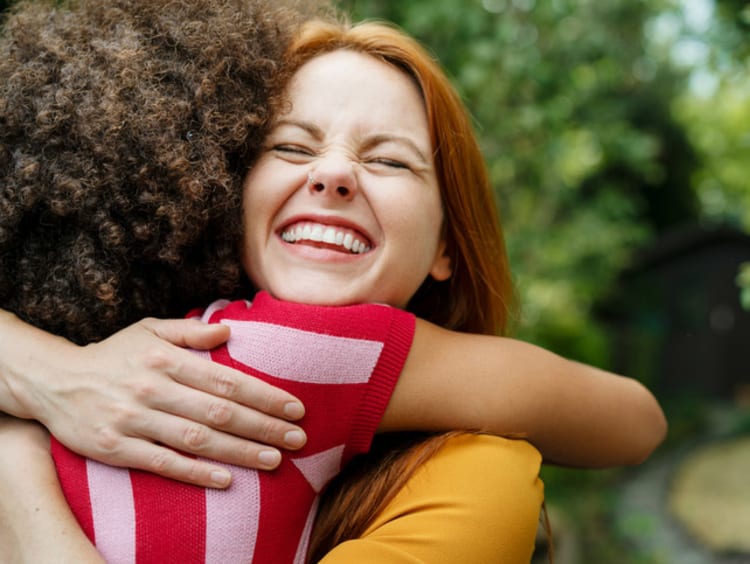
441, 267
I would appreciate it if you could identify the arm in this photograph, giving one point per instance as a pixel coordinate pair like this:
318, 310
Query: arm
113, 401
574, 414
36, 524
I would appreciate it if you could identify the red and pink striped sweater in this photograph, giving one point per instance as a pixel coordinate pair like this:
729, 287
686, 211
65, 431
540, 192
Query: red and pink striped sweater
341, 362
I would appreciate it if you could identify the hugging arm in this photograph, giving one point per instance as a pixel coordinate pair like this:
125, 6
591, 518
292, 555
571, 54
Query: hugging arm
110, 401
36, 524
575, 414
505, 395
113, 401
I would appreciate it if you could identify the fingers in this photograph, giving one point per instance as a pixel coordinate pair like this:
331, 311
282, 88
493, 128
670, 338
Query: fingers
218, 408
164, 445
139, 395
221, 398
196, 439
211, 413
247, 439
213, 378
224, 382
168, 463
188, 332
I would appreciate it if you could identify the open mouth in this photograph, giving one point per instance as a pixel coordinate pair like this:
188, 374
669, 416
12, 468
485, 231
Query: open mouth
326, 236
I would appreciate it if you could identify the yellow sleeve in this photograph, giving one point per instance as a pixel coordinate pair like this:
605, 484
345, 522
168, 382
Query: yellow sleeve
476, 501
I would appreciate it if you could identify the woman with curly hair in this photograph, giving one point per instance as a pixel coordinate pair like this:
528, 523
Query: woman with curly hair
609, 445
126, 128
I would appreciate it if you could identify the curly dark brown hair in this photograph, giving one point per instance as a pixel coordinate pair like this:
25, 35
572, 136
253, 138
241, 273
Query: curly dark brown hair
126, 127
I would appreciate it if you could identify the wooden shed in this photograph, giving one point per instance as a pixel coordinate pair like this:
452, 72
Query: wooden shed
677, 318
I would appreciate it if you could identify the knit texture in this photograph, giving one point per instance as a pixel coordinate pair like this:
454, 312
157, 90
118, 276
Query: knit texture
342, 362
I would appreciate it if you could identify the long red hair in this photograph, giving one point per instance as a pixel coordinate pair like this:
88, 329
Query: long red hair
479, 296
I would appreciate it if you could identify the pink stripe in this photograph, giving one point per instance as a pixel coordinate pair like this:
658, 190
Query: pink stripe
213, 308
232, 518
302, 356
113, 512
301, 555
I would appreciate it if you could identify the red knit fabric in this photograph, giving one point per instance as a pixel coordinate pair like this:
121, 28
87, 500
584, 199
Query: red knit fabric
341, 362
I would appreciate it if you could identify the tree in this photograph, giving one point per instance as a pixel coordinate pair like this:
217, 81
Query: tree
716, 113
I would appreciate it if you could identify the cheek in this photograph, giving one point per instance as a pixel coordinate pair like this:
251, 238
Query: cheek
432, 217
257, 207
418, 222
252, 223
246, 247
249, 194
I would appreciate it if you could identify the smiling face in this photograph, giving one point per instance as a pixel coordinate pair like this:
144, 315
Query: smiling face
343, 205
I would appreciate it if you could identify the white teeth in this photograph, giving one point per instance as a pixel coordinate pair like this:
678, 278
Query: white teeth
317, 234
323, 234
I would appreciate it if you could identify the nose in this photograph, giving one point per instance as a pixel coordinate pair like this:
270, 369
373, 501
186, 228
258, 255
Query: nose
335, 178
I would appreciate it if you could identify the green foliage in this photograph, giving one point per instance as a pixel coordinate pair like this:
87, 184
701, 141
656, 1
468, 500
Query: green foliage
733, 28
573, 117
716, 114
720, 128
743, 281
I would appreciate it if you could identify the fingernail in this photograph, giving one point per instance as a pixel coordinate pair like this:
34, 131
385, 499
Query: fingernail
294, 439
294, 410
269, 458
220, 479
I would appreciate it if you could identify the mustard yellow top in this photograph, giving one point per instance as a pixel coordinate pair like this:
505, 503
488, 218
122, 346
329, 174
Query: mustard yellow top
476, 501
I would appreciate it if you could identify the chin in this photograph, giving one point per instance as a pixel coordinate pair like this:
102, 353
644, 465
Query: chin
327, 297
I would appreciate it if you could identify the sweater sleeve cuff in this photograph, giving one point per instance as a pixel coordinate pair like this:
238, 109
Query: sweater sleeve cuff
374, 400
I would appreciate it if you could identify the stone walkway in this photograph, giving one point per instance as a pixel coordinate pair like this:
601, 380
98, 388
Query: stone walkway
710, 495
691, 506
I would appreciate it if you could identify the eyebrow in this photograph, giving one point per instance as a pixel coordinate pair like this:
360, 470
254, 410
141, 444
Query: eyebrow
379, 139
372, 141
307, 126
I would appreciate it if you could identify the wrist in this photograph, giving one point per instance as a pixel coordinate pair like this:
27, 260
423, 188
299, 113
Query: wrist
30, 363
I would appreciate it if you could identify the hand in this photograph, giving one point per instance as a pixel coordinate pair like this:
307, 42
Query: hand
119, 401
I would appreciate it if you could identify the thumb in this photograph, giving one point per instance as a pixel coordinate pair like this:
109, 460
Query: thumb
189, 332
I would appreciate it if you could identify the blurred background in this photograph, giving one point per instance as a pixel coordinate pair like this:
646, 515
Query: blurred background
617, 134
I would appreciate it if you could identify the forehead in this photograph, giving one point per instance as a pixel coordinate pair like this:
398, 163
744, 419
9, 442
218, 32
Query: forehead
348, 83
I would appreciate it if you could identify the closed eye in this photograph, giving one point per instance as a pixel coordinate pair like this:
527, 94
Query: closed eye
392, 163
292, 153
292, 149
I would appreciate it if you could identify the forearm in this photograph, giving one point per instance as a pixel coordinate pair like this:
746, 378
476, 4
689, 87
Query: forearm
574, 414
597, 419
36, 524
27, 357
